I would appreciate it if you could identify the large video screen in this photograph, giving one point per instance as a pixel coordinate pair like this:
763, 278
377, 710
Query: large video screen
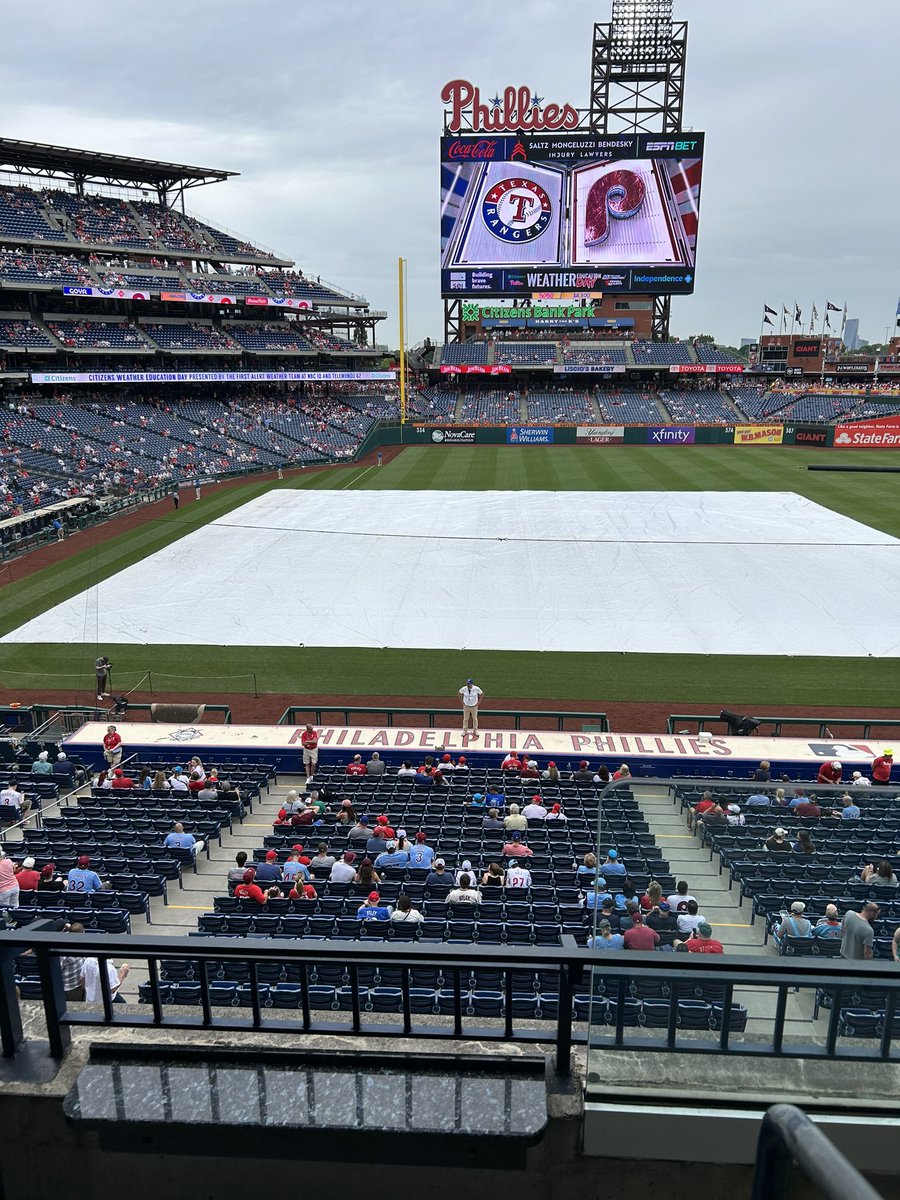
569, 212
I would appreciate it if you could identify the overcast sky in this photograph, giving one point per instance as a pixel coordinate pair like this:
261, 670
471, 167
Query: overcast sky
332, 113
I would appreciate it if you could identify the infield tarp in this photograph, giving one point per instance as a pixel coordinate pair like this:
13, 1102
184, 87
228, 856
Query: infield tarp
675, 572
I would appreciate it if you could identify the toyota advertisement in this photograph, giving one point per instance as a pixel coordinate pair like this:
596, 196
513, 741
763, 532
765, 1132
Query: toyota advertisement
569, 212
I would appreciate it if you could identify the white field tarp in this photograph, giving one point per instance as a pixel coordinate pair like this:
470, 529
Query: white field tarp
666, 572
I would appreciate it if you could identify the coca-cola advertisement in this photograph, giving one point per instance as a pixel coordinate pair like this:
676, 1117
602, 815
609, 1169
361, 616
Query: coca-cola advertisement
564, 204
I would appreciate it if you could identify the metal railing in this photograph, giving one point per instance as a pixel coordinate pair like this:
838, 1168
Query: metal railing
64, 719
854, 726
299, 714
592, 1001
786, 1136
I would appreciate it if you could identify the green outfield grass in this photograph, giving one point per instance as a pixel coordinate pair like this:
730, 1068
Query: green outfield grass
698, 679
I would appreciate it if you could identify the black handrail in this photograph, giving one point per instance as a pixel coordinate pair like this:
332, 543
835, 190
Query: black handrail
290, 715
856, 726
786, 1136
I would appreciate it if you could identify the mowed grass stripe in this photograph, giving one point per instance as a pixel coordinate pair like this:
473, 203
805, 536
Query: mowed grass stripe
694, 679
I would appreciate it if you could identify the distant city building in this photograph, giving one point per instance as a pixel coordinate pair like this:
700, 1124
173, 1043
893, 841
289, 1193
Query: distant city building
851, 334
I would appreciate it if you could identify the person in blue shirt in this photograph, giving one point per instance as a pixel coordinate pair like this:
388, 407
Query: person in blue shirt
758, 800
373, 909
82, 879
421, 856
42, 764
613, 866
392, 857
606, 939
181, 840
596, 896
850, 810
270, 870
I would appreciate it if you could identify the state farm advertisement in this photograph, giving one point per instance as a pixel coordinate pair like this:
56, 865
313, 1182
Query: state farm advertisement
881, 434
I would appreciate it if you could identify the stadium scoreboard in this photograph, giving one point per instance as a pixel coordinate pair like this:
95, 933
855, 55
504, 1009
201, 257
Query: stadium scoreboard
569, 212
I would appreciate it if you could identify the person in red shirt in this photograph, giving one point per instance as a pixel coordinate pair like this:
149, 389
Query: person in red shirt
511, 762
302, 890
195, 783
26, 876
517, 849
309, 740
121, 780
112, 746
830, 772
530, 770
640, 936
248, 889
704, 804
383, 827
807, 808
704, 942
357, 766
881, 767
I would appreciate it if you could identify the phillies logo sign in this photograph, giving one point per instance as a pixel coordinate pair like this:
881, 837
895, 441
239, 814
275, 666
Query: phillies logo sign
517, 109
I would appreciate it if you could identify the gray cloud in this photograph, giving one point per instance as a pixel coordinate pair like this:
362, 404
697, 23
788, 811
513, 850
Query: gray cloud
332, 115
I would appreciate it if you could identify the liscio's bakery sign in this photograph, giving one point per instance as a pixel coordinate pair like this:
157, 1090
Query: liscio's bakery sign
515, 109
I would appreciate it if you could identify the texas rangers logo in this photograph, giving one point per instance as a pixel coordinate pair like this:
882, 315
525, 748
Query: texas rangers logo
516, 210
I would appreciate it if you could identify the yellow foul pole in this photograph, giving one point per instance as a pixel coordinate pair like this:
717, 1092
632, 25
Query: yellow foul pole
401, 285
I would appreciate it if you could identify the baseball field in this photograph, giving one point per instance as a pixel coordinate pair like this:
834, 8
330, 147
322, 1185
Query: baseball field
763, 680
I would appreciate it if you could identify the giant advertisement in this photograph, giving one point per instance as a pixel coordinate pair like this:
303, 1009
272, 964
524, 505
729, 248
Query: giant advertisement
569, 212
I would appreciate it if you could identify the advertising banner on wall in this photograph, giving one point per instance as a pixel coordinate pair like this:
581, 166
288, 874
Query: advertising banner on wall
477, 369
806, 435
881, 434
600, 435
68, 377
453, 437
98, 293
276, 302
707, 369
530, 435
581, 369
197, 298
671, 435
758, 435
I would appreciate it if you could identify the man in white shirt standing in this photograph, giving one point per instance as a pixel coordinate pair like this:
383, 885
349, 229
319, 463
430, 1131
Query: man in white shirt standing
471, 697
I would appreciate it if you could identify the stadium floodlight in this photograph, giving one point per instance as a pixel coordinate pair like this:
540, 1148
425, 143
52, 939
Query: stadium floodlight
641, 29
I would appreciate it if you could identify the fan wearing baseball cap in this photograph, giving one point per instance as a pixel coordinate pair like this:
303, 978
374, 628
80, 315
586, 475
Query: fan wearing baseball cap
373, 910
703, 941
830, 772
881, 767
82, 879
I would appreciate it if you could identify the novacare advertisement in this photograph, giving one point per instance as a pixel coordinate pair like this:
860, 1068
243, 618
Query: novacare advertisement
757, 435
881, 434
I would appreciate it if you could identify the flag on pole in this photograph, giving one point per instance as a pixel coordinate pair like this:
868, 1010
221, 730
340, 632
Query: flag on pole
815, 315
829, 307
771, 311
827, 322
766, 320
798, 315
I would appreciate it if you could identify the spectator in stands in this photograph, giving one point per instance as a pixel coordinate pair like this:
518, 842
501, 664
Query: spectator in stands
804, 844
602, 776
50, 881
120, 781
26, 876
360, 832
367, 876
478, 800
249, 889
322, 860
529, 769
64, 769
180, 839
550, 773
640, 936
849, 810
208, 791
516, 848
830, 772
606, 939
882, 875
464, 893
895, 945
515, 821
556, 814
758, 800
807, 807
631, 917
376, 843
794, 924
81, 878
145, 781
196, 769
439, 878
662, 919
517, 876
407, 771
779, 800
678, 901
613, 868
584, 775
623, 773
734, 816
705, 804
309, 740
714, 818
763, 773
112, 746
881, 767
392, 856
462, 763
493, 820
298, 865
829, 926
494, 876
447, 764
9, 886
373, 910
16, 799
511, 762
857, 936
595, 894
404, 912
857, 779
343, 870
270, 870
356, 767
535, 810
421, 855
777, 843
42, 764
375, 765
159, 782
236, 873
687, 921
652, 897
302, 890
470, 695
93, 993
703, 941
177, 781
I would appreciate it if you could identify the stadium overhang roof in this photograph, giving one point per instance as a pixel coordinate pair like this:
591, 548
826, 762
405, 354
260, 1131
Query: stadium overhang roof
92, 166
